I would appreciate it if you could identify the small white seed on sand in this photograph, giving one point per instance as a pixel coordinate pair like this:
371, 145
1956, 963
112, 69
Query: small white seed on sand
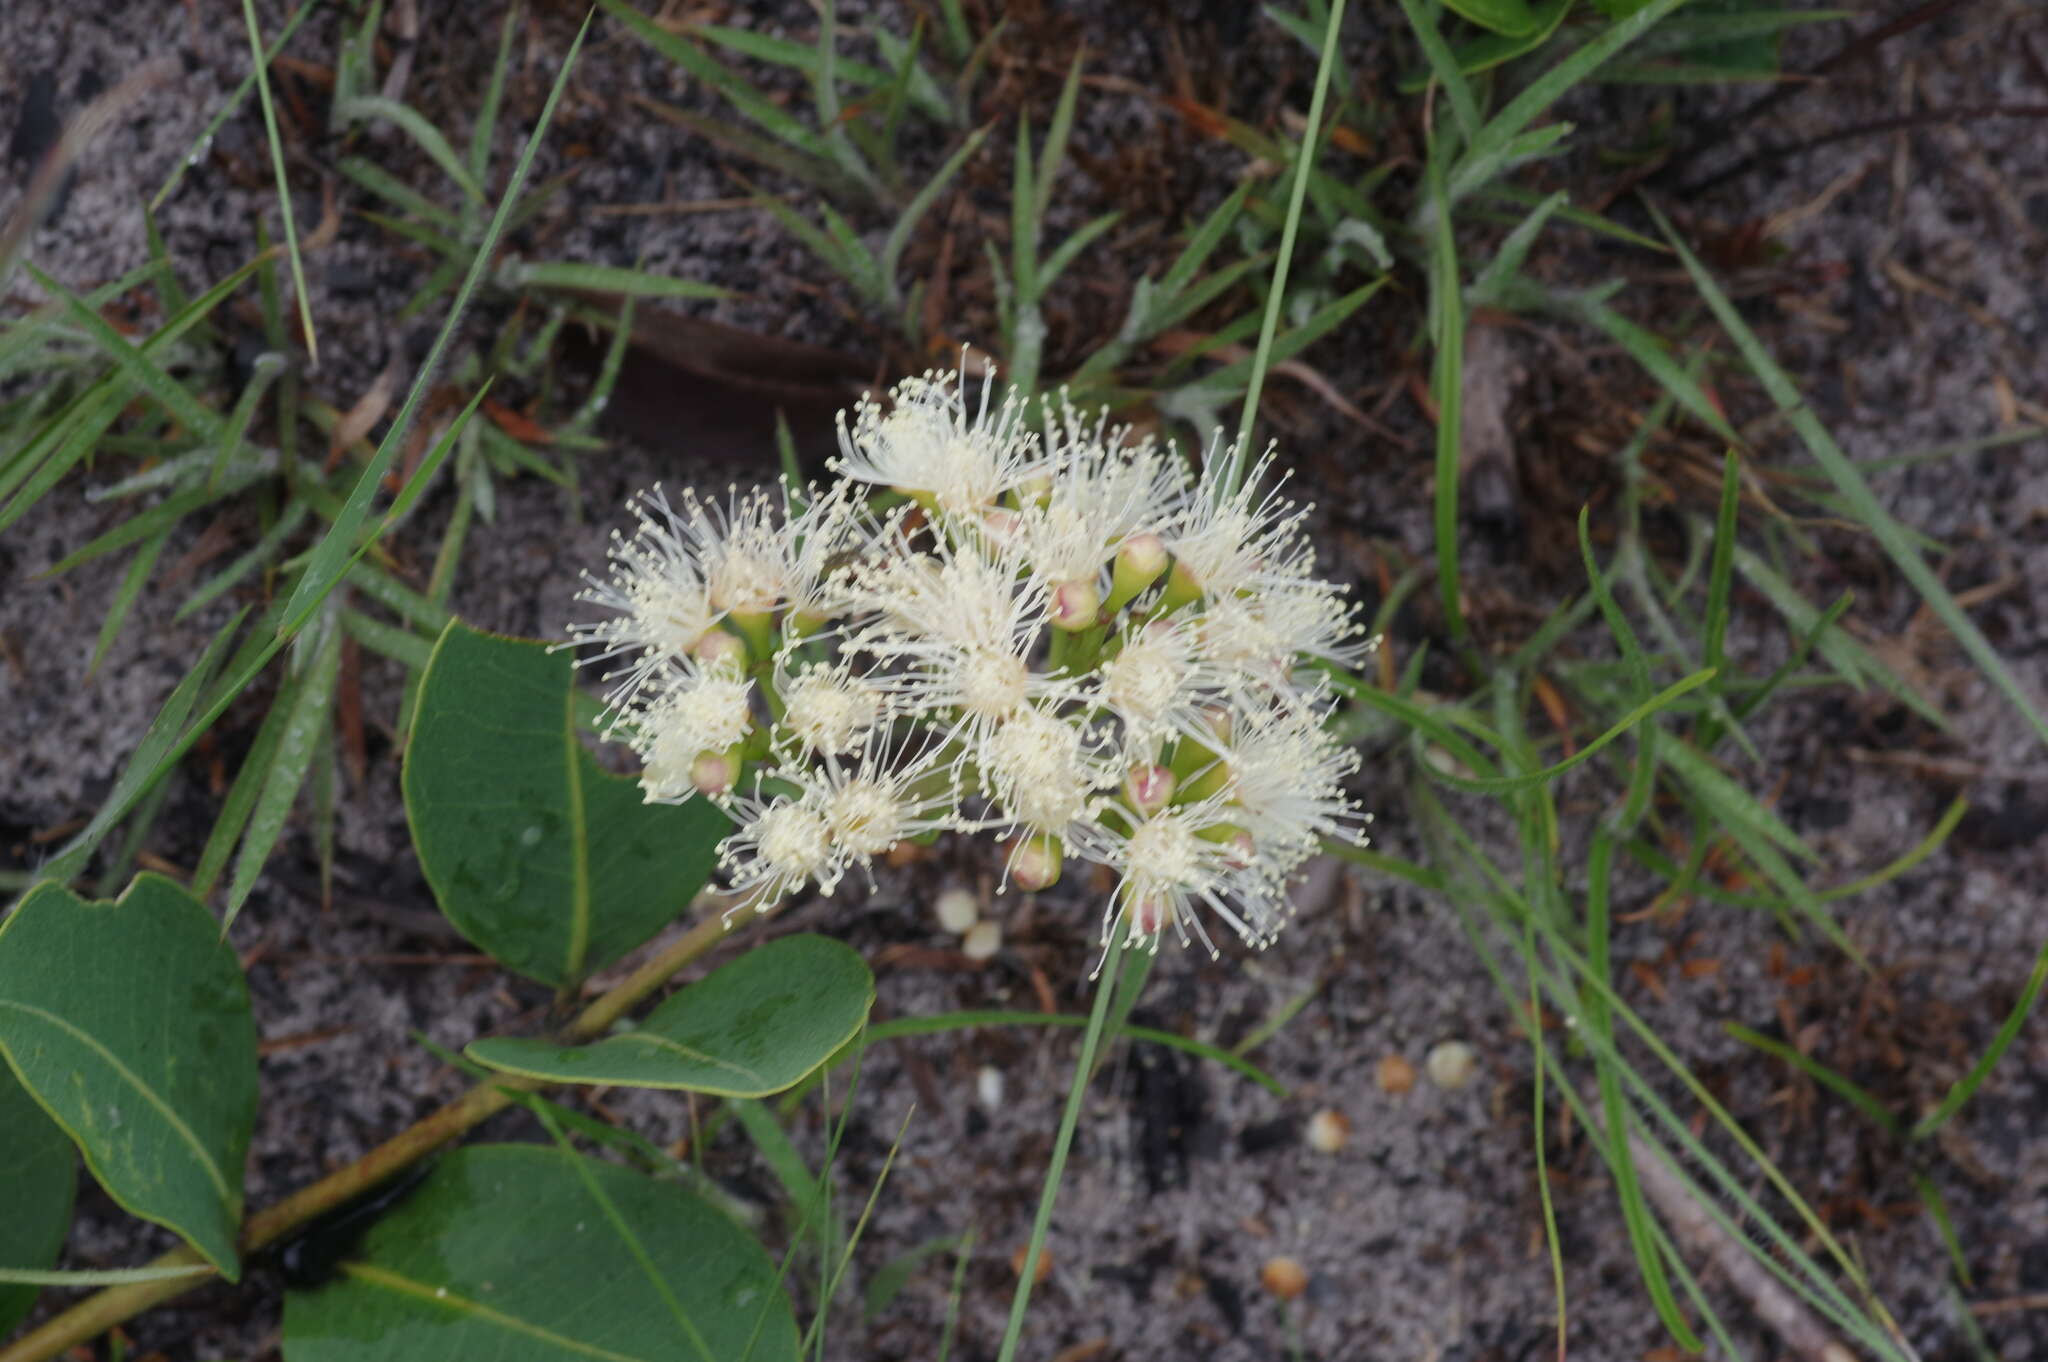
1451, 1064
957, 910
983, 940
1328, 1129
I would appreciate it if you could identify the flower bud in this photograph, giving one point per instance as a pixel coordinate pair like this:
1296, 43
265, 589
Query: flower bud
1181, 589
715, 773
1138, 564
1075, 604
1148, 788
1148, 914
1035, 863
1035, 490
1240, 851
720, 646
757, 628
801, 624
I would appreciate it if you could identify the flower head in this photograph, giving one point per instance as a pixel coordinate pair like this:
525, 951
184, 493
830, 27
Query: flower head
1041, 772
657, 591
1062, 640
698, 709
1243, 540
928, 445
1183, 855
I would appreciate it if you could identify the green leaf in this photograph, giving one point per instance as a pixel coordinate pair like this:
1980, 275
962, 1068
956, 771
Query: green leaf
129, 1023
1509, 18
527, 1254
750, 1028
36, 1182
536, 853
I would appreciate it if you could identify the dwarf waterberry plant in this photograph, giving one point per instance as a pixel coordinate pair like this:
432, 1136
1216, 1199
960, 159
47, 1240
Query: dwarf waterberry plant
1059, 636
997, 616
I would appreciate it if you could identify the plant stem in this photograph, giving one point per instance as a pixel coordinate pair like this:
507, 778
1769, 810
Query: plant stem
104, 1309
1106, 979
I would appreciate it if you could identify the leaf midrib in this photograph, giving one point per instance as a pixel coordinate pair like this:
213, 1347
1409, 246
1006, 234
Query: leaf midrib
441, 1296
134, 1080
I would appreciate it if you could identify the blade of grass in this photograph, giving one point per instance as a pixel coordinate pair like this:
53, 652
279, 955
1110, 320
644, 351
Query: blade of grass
605, 279
1660, 701
1444, 66
1855, 1094
429, 139
159, 742
1921, 850
132, 582
1966, 1086
1491, 144
373, 177
248, 783
330, 558
1822, 633
920, 204
266, 368
228, 108
262, 551
479, 159
304, 730
1721, 574
73, 432
1447, 389
260, 65
1276, 293
1077, 1091
1849, 481
136, 363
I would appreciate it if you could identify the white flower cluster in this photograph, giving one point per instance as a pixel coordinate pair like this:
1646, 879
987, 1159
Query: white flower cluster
1056, 636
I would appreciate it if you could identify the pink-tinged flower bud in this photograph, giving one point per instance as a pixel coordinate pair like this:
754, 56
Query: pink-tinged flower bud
720, 646
1240, 852
1035, 863
1075, 605
1000, 524
715, 773
1149, 788
1149, 915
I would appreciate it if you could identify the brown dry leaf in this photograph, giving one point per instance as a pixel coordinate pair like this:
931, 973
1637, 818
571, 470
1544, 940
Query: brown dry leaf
1486, 444
722, 386
517, 424
369, 409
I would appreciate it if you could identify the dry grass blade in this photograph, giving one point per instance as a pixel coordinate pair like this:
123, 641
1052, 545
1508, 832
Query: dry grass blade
83, 130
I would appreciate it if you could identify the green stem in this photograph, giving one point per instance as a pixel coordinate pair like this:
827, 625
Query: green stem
1084, 1068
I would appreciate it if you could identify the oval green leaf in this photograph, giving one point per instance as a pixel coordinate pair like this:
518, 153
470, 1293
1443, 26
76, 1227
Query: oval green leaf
522, 1253
1509, 18
538, 855
750, 1028
37, 1177
129, 1023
